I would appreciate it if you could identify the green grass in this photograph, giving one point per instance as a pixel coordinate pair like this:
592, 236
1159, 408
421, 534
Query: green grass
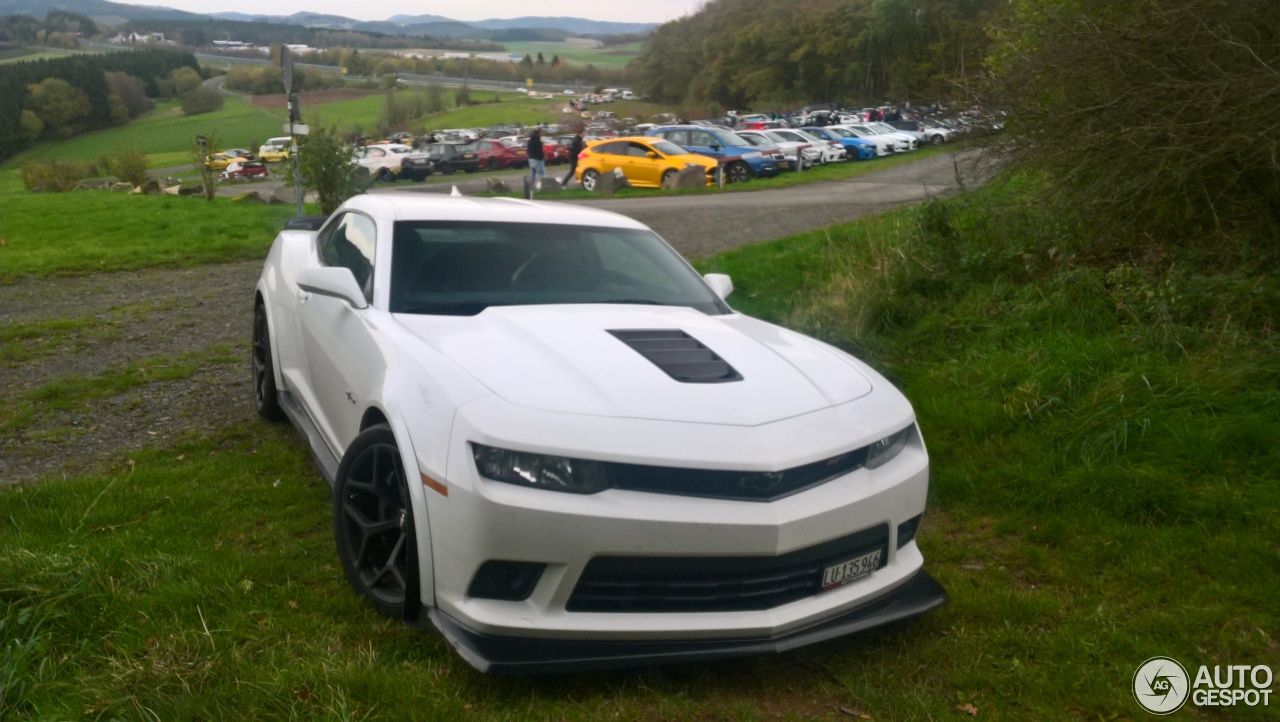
116, 231
166, 134
612, 57
1103, 431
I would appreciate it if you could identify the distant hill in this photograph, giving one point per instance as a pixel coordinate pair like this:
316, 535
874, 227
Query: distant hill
93, 8
434, 25
580, 26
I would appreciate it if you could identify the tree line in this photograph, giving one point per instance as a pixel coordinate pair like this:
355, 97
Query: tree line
762, 53
63, 96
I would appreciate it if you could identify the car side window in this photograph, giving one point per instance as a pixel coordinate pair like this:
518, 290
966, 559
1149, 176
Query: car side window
702, 139
679, 137
349, 242
611, 148
638, 150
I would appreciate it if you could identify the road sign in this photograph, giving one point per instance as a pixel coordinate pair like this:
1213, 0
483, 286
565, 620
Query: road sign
528, 82
296, 128
286, 68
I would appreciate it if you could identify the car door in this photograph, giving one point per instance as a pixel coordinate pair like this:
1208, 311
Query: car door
336, 340
640, 168
704, 143
611, 155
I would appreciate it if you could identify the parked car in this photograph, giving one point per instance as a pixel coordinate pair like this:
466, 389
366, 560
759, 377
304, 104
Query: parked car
548, 438
496, 154
795, 155
934, 134
829, 151
647, 162
239, 170
417, 165
855, 147
741, 160
554, 151
219, 161
902, 142
240, 153
381, 163
276, 150
452, 157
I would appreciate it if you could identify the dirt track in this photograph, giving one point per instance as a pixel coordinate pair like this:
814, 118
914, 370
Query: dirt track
142, 321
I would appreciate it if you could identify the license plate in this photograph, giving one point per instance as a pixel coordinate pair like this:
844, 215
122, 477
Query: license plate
851, 570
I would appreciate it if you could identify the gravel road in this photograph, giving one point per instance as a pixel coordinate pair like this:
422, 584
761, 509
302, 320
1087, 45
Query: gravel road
183, 335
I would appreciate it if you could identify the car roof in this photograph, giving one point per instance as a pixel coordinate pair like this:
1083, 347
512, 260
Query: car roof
411, 206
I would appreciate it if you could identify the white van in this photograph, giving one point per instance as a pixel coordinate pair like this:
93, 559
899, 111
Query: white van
628, 95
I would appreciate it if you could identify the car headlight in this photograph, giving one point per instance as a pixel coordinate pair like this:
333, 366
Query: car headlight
888, 448
554, 473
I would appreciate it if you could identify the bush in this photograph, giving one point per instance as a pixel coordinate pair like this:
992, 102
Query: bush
327, 168
128, 164
1156, 121
201, 100
55, 176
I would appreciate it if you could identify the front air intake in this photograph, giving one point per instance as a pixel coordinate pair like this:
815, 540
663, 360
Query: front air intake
679, 355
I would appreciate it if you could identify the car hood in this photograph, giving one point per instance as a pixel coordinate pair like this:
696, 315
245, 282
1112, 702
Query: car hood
563, 359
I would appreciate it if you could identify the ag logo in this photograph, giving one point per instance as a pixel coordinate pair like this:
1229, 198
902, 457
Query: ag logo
1160, 685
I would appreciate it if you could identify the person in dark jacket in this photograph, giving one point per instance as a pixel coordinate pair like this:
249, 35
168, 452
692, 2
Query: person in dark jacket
575, 149
537, 159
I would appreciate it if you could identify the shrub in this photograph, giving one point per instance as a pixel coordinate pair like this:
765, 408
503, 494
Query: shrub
201, 100
127, 164
54, 176
327, 168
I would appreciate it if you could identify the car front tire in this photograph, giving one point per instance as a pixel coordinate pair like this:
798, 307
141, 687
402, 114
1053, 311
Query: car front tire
738, 173
373, 523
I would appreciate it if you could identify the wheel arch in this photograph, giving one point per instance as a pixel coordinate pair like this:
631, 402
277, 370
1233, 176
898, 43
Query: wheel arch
259, 299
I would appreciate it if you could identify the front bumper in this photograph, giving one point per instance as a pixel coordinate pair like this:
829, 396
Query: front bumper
504, 655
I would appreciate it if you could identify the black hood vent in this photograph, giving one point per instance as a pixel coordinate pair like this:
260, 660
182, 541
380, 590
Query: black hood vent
679, 355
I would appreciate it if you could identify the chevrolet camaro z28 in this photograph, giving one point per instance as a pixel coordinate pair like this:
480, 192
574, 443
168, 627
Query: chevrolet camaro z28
554, 442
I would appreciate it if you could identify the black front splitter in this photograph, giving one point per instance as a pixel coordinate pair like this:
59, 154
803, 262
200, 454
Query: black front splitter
499, 655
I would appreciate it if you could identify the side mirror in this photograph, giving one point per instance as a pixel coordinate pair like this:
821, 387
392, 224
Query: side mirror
335, 282
715, 146
720, 284
652, 155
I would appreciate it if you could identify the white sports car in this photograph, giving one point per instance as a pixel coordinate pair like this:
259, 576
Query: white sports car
553, 441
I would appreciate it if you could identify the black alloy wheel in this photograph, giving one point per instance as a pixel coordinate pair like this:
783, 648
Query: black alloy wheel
266, 399
384, 175
373, 523
738, 173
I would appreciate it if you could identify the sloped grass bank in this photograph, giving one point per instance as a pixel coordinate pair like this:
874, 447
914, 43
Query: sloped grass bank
1104, 431
116, 231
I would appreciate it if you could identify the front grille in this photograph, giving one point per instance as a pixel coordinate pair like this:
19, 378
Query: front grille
739, 485
716, 584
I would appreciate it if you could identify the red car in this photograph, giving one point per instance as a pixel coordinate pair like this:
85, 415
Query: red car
496, 154
555, 152
247, 170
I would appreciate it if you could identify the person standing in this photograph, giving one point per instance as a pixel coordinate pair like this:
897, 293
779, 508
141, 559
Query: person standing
575, 149
537, 159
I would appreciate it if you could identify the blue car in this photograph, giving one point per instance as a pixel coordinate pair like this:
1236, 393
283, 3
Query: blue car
855, 148
722, 144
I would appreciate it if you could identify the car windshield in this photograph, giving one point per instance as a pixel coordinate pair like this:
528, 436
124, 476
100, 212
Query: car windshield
731, 139
460, 268
666, 147
756, 140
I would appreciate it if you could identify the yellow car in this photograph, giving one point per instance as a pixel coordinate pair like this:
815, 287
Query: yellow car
275, 150
219, 161
646, 162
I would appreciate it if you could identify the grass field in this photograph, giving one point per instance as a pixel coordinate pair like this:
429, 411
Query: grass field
85, 231
166, 134
1104, 434
611, 57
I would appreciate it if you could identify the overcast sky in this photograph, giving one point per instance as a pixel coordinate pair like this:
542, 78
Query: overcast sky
644, 11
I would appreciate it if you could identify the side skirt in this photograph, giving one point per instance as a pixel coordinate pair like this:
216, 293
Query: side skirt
320, 452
